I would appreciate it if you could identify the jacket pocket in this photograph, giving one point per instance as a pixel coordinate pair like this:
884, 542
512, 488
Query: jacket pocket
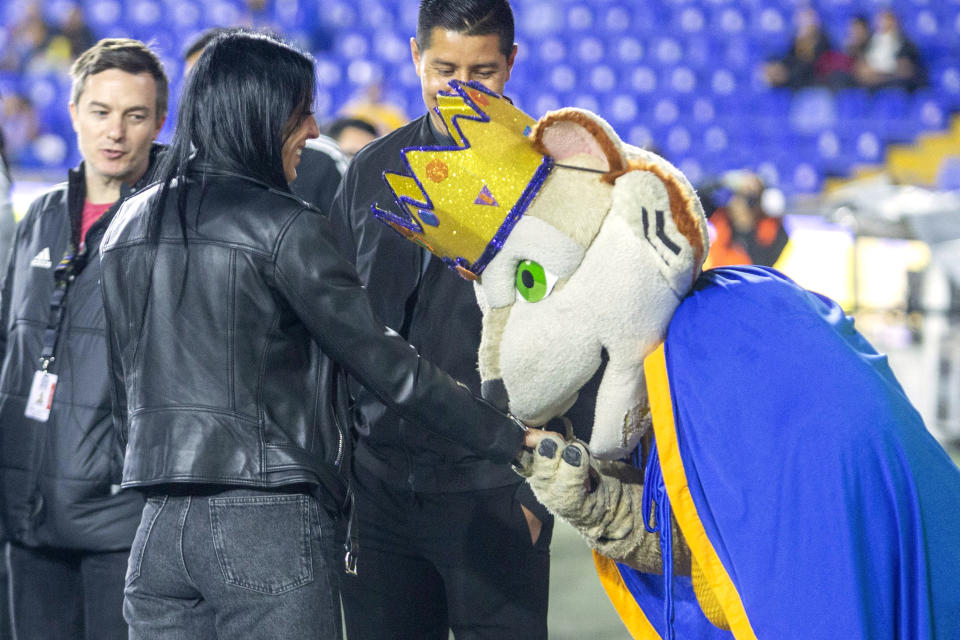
263, 542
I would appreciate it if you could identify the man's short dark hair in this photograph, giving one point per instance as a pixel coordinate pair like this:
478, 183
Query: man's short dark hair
200, 43
131, 56
336, 127
469, 17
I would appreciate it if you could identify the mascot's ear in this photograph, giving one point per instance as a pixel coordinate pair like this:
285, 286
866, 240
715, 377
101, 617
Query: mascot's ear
580, 138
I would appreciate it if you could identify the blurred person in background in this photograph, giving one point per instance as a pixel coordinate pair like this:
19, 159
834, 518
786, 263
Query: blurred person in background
227, 305
352, 134
322, 163
371, 105
38, 46
799, 66
891, 59
450, 541
746, 222
76, 32
838, 67
29, 37
20, 124
69, 525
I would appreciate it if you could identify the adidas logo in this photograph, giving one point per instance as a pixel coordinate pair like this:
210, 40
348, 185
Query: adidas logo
42, 259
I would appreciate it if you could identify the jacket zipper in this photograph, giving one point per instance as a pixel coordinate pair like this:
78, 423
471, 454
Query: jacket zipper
339, 458
422, 268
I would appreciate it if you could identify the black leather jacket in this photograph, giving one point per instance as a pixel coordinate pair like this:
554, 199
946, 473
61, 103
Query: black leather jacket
219, 371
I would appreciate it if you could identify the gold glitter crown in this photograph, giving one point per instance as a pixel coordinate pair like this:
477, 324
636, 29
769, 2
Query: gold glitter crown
461, 202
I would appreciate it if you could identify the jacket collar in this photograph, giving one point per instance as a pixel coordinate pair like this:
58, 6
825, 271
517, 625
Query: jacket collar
77, 193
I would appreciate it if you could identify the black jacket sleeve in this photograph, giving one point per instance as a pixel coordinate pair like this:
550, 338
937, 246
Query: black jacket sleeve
326, 294
318, 174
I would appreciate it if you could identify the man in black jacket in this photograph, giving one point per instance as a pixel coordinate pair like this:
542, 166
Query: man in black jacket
70, 526
448, 540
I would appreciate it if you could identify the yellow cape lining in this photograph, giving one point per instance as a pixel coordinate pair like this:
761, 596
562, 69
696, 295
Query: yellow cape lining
623, 601
681, 502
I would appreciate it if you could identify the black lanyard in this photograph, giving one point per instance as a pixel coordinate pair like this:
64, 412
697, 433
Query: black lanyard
63, 276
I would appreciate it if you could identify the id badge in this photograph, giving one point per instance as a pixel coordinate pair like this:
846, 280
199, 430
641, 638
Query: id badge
41, 396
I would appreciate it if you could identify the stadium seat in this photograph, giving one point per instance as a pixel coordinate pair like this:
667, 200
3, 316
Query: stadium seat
681, 74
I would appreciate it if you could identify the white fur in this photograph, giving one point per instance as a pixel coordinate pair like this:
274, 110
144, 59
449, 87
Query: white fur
552, 348
617, 290
558, 253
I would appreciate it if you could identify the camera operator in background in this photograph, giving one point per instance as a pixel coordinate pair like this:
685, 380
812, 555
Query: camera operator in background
746, 220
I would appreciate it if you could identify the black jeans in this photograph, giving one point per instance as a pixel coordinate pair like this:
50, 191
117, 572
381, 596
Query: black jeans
430, 562
62, 594
240, 563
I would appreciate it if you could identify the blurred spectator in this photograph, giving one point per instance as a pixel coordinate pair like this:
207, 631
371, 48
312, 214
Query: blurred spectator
798, 68
196, 46
77, 34
20, 125
352, 134
747, 228
837, 67
891, 59
28, 41
372, 107
38, 47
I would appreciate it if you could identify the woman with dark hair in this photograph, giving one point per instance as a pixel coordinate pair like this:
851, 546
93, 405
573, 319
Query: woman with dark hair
231, 321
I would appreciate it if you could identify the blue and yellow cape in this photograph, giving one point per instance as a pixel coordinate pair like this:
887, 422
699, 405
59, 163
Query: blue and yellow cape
811, 494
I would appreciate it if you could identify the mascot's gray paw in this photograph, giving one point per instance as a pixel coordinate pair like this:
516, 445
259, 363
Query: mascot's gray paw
561, 475
602, 500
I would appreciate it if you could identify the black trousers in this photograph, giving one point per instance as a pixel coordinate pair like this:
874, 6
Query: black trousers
61, 594
431, 562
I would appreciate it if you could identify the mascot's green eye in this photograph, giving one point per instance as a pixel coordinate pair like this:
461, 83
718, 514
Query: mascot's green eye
533, 281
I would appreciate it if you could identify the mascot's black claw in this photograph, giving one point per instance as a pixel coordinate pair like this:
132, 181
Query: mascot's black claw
572, 456
547, 448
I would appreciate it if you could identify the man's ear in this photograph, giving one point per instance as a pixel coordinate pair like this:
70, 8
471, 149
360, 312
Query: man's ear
579, 138
159, 128
415, 54
510, 60
73, 115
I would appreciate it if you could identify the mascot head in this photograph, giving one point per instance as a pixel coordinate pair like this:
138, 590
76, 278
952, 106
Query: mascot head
579, 245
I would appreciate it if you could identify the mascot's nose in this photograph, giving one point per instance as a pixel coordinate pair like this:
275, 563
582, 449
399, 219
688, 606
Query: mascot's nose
494, 392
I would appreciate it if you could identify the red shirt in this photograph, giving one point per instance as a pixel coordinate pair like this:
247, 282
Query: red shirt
91, 213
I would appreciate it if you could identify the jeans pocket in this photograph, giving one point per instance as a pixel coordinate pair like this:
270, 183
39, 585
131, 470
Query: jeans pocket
263, 542
151, 511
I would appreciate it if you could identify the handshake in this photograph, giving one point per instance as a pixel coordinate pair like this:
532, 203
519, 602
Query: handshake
603, 500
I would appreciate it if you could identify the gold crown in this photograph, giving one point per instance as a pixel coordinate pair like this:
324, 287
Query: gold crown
461, 202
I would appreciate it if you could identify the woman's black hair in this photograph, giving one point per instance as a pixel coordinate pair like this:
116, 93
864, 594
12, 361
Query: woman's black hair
246, 94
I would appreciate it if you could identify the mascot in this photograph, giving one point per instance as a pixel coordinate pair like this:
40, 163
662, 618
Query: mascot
754, 469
